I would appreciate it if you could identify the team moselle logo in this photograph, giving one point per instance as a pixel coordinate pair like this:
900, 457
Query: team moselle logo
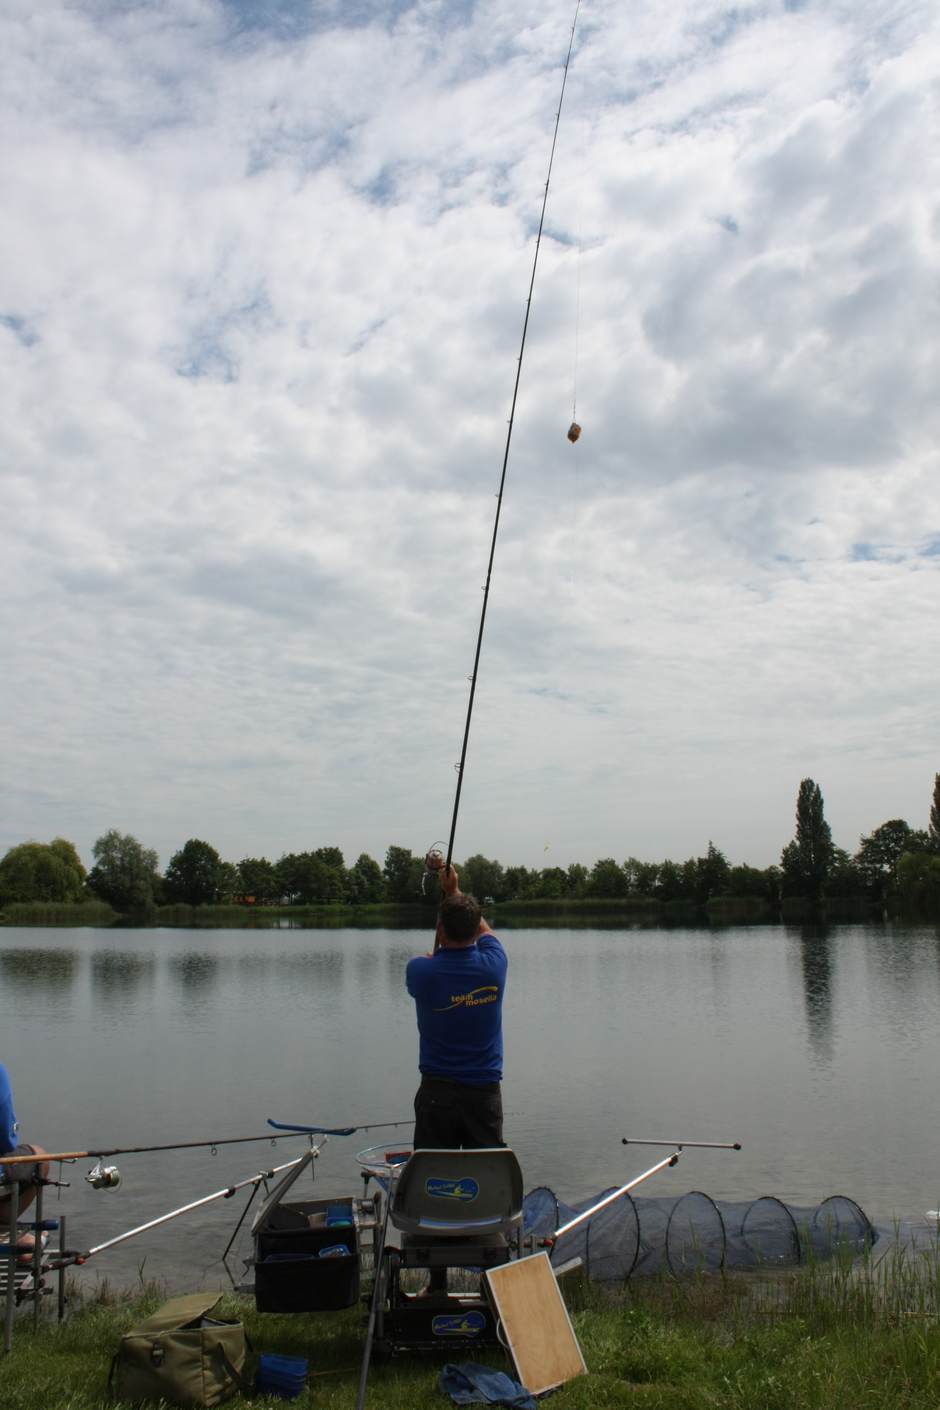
461, 1190
463, 1324
486, 994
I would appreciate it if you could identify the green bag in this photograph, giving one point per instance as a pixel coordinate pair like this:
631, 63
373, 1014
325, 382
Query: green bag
181, 1355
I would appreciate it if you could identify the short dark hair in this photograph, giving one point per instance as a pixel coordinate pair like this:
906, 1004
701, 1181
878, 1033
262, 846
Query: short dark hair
460, 916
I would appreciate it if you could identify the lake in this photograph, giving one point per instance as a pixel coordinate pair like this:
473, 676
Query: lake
818, 1050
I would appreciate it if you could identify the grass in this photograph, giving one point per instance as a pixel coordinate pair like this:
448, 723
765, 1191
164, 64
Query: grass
833, 1336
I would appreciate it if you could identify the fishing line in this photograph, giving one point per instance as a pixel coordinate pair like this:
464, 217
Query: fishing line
577, 310
502, 479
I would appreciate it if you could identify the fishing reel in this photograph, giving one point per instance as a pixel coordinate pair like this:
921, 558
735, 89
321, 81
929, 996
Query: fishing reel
433, 866
103, 1177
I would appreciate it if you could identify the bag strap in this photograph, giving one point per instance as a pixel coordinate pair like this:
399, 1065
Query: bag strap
243, 1383
114, 1361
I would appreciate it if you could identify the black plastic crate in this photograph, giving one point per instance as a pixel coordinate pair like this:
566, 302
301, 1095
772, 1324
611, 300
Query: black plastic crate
291, 1272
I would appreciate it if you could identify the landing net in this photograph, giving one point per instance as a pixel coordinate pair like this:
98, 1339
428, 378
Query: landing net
695, 1233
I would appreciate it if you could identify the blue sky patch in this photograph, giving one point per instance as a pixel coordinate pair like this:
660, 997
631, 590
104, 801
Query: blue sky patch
19, 328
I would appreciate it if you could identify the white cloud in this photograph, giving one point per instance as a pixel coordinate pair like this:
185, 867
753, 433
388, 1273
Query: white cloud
259, 314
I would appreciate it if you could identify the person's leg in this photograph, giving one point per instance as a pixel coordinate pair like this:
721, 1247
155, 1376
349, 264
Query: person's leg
26, 1176
482, 1117
437, 1115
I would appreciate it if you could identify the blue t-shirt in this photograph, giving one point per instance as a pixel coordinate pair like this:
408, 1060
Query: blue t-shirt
7, 1114
459, 998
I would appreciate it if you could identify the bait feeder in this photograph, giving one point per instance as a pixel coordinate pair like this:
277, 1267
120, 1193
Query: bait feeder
574, 431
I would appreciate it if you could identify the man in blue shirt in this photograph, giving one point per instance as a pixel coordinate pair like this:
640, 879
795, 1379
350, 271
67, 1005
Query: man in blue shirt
25, 1175
458, 994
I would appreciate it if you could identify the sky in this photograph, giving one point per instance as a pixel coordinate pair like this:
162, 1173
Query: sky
263, 275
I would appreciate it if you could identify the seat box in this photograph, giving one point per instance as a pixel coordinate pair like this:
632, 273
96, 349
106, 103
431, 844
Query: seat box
299, 1261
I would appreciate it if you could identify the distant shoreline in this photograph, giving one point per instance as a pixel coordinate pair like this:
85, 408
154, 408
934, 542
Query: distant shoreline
627, 912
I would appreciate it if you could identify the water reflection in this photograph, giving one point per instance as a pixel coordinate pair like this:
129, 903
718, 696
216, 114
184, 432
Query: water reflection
254, 966
197, 974
816, 960
316, 970
118, 975
39, 969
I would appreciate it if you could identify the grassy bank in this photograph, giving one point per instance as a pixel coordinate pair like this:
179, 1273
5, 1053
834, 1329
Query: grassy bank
830, 1338
595, 913
58, 913
329, 914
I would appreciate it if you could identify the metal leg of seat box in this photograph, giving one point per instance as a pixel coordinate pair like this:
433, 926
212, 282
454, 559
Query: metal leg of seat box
14, 1212
37, 1256
61, 1275
378, 1294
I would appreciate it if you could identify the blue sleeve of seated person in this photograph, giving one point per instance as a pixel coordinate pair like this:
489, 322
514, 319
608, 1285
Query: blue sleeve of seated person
7, 1114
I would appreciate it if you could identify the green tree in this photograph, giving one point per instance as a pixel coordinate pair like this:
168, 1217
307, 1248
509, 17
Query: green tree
713, 874
520, 884
125, 873
933, 829
366, 883
306, 880
607, 879
806, 860
669, 883
42, 871
289, 876
194, 875
553, 883
879, 853
402, 874
256, 877
845, 878
481, 877
641, 877
228, 883
578, 878
918, 882
334, 884
754, 881
331, 857
688, 880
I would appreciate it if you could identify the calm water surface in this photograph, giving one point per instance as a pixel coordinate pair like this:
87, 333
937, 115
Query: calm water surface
819, 1051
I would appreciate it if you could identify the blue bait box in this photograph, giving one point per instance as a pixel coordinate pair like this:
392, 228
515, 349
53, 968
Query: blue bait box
284, 1376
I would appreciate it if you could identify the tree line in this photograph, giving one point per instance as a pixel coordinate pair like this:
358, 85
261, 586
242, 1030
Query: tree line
893, 860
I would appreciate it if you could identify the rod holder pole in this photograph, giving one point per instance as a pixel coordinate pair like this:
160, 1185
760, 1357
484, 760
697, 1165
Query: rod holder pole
609, 1199
685, 1145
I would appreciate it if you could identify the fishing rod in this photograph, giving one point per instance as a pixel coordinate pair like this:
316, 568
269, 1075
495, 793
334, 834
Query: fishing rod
438, 861
72, 1259
46, 1157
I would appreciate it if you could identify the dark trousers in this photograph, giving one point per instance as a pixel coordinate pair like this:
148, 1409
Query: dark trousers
450, 1115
